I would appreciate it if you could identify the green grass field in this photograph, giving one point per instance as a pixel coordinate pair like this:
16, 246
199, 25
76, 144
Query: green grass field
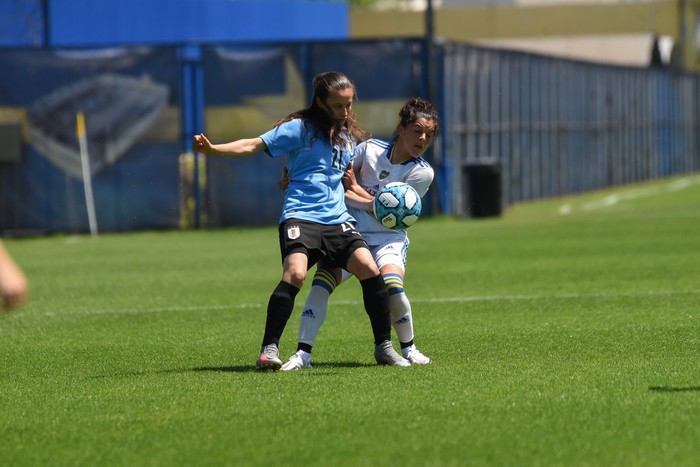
557, 339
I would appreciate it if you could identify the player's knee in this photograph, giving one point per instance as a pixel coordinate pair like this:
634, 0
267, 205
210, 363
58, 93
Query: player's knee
296, 277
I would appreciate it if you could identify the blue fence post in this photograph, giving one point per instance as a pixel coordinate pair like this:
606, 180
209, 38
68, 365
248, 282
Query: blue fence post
445, 167
192, 115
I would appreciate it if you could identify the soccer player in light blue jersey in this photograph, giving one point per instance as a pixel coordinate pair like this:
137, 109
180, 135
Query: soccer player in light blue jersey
376, 164
315, 224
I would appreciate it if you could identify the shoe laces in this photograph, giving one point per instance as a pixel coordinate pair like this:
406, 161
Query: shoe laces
415, 354
270, 350
299, 355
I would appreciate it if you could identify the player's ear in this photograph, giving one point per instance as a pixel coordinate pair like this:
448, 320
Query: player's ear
400, 130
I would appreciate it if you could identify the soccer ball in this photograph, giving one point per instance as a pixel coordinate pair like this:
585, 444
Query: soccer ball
397, 206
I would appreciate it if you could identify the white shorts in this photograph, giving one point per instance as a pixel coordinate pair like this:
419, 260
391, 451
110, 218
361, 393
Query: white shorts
390, 253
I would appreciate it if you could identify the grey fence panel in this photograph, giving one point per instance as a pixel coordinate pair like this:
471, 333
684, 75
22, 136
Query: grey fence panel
558, 127
554, 127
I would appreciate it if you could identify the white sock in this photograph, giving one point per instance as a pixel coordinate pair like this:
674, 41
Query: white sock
314, 314
401, 316
316, 307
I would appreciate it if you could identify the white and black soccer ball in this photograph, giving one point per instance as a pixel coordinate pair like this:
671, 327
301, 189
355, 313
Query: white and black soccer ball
397, 206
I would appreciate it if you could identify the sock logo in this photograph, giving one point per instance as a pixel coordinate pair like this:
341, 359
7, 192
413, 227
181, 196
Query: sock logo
308, 313
403, 320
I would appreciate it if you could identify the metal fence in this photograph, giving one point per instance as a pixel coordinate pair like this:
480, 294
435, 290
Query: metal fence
552, 127
555, 127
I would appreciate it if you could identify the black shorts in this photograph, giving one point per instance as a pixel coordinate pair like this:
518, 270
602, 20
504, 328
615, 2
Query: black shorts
332, 243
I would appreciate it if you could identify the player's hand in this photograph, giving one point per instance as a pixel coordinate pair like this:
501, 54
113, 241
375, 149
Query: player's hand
284, 181
349, 179
201, 144
13, 287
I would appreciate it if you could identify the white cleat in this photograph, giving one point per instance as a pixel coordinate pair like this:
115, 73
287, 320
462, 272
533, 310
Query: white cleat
413, 355
299, 361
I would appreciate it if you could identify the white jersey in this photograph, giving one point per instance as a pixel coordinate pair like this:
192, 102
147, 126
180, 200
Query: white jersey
373, 170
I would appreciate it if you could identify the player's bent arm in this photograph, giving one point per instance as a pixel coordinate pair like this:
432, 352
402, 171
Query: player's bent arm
284, 180
361, 200
351, 185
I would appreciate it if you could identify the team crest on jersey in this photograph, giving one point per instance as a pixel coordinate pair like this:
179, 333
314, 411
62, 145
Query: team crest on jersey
383, 174
293, 232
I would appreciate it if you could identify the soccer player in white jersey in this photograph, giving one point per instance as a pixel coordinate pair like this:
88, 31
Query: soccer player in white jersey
376, 164
318, 142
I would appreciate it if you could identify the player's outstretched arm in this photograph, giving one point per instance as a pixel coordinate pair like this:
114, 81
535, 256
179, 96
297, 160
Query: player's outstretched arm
13, 284
238, 148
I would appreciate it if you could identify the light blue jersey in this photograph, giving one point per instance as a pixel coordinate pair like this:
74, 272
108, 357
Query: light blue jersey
315, 169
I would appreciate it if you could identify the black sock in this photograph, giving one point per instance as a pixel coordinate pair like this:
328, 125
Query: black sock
279, 309
376, 298
305, 347
406, 344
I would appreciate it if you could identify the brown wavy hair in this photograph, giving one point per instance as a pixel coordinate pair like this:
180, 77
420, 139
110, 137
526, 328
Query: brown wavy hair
414, 109
324, 85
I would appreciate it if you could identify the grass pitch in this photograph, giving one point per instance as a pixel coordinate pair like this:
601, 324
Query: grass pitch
564, 333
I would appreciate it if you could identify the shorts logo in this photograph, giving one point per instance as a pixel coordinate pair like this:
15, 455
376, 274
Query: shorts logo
383, 174
293, 232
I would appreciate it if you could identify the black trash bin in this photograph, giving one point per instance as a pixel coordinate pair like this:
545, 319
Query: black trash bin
483, 189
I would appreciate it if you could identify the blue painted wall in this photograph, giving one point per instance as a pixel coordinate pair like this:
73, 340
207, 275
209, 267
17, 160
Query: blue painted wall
21, 23
88, 23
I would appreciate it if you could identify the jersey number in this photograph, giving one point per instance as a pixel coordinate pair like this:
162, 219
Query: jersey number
337, 158
347, 226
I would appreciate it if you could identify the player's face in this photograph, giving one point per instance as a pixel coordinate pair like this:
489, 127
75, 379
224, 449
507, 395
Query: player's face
416, 137
339, 104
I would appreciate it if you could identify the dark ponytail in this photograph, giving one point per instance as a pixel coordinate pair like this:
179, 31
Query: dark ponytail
324, 85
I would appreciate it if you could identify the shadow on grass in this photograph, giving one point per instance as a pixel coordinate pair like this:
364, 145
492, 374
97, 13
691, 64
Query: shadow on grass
237, 369
242, 369
674, 389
